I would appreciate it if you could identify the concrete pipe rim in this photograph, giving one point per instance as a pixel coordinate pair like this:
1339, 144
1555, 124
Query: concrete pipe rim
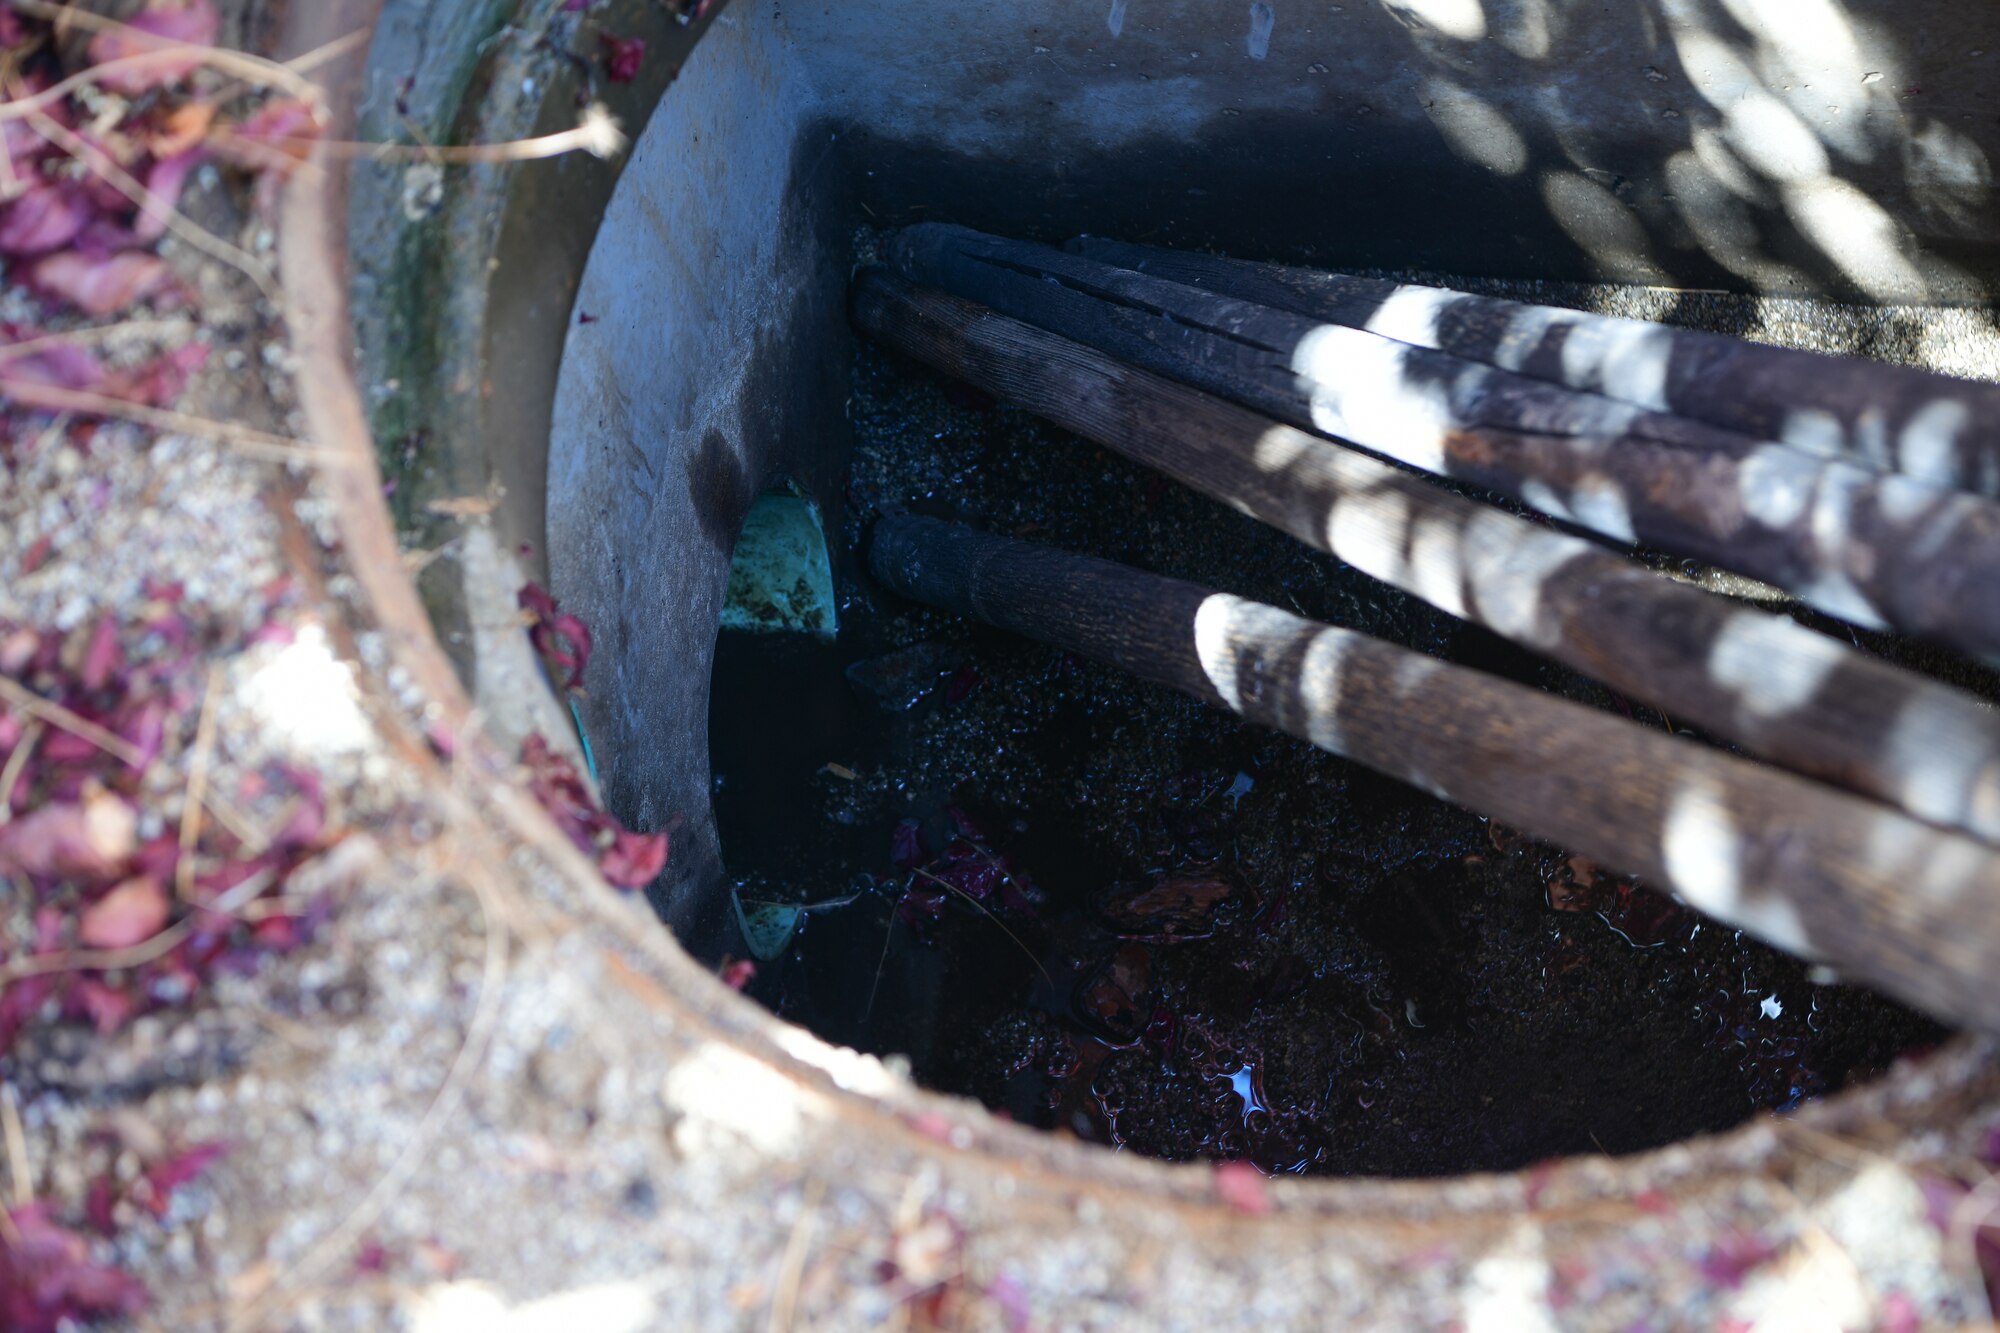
1925, 1094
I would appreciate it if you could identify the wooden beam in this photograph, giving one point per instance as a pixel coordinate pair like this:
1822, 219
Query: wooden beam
1878, 549
1936, 428
1889, 901
1800, 698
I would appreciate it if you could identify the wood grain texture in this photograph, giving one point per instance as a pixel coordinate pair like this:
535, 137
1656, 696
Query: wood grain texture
1934, 427
1784, 692
1878, 549
1890, 901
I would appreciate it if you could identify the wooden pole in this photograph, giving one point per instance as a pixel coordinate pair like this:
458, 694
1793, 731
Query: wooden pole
1260, 353
1935, 428
1880, 550
1898, 904
1800, 698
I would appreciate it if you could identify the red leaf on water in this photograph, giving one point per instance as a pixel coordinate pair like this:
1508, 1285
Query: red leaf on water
1172, 907
968, 825
623, 57
906, 846
130, 914
154, 28
102, 286
963, 683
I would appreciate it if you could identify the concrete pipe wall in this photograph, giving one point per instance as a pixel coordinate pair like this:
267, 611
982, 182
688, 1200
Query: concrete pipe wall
1770, 146
1748, 146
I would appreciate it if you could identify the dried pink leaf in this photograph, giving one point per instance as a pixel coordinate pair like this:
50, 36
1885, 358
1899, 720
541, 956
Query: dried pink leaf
276, 138
102, 656
47, 217
628, 860
1241, 1186
160, 381
634, 860
102, 285
64, 366
167, 1176
164, 183
130, 914
623, 57
90, 838
107, 1007
47, 1281
160, 25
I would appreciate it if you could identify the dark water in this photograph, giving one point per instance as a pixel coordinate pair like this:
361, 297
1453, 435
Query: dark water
1105, 909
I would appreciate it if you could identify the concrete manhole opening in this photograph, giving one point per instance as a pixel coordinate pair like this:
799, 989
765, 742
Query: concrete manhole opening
1093, 905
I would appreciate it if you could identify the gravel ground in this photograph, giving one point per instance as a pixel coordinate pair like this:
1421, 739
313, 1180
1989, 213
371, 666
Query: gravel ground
487, 1095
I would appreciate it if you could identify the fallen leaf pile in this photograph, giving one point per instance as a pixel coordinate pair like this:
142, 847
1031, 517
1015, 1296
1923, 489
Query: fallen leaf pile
114, 911
123, 890
628, 860
93, 165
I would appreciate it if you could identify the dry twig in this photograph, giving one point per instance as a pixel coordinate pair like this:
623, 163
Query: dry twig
166, 51
138, 955
93, 335
251, 442
17, 761
791, 1269
18, 1166
197, 786
55, 715
597, 132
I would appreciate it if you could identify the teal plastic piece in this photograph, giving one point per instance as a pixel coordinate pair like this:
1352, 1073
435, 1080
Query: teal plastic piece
767, 927
780, 579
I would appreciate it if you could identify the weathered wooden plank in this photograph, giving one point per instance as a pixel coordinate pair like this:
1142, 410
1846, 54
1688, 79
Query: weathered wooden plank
1936, 428
1890, 901
1877, 549
1797, 697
